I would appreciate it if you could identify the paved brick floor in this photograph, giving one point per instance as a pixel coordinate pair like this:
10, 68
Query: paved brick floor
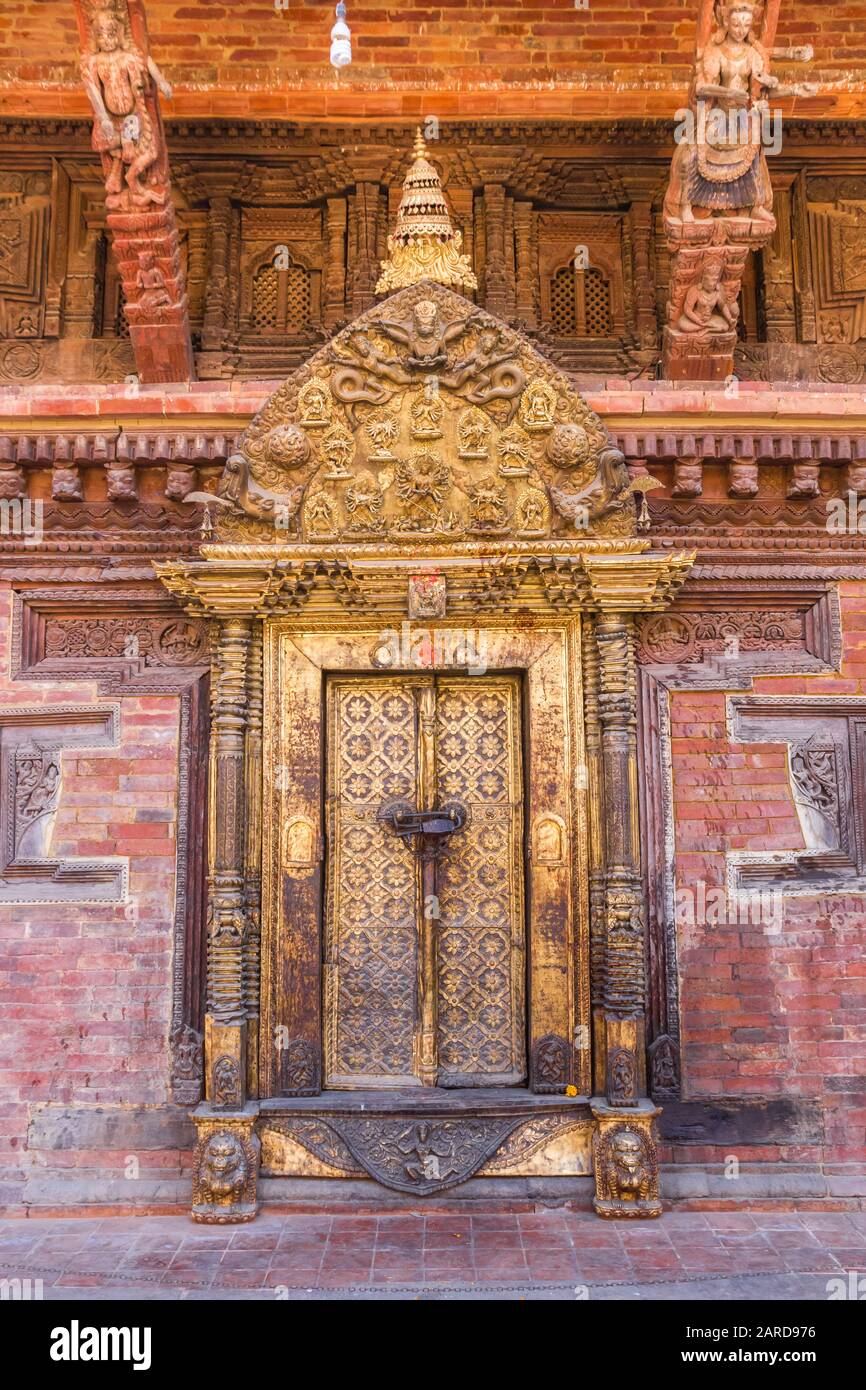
547, 1253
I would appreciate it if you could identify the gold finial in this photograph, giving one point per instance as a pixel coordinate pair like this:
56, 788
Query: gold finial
425, 245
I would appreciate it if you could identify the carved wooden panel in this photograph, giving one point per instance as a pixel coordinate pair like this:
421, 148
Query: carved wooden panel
24, 212
480, 886
826, 744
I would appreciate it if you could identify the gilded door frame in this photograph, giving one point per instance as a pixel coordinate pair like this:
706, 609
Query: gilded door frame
546, 652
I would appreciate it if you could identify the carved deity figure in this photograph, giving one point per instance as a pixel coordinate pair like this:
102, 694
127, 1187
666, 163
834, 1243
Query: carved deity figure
427, 412
425, 337
532, 512
489, 503
422, 485
720, 165
706, 306
119, 80
365, 501
151, 282
314, 400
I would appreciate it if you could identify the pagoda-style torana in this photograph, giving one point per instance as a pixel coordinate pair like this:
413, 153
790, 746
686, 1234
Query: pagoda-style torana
433, 726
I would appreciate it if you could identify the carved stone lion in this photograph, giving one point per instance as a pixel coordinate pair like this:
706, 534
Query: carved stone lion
626, 1172
224, 1177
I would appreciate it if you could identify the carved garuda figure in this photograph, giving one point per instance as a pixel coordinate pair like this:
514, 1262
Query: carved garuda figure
513, 448
119, 78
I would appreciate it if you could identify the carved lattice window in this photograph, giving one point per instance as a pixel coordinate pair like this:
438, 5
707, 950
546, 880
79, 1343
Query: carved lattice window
562, 306
121, 322
580, 303
282, 298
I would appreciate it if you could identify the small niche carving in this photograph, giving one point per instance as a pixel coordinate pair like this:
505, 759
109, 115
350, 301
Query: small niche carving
549, 840
299, 844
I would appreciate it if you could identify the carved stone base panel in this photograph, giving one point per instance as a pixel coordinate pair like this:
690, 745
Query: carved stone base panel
625, 1162
225, 1168
423, 1141
549, 1146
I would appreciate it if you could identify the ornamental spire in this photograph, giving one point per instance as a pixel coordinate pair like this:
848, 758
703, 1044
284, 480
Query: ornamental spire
425, 245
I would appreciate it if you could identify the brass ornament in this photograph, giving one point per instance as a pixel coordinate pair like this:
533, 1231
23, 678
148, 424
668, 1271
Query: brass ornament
425, 244
625, 1162
395, 427
225, 1170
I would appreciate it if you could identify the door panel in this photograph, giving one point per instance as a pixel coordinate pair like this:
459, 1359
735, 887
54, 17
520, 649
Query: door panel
419, 991
371, 931
480, 973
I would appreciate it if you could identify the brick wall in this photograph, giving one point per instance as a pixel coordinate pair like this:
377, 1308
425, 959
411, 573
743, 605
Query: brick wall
468, 57
85, 989
778, 1013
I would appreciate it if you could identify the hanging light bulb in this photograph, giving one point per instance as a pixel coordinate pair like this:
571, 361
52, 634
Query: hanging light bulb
341, 39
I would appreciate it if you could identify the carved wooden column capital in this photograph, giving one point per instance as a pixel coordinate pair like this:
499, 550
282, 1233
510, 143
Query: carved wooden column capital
719, 201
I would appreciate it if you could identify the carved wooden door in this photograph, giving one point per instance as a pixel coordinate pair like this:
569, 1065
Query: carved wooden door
424, 948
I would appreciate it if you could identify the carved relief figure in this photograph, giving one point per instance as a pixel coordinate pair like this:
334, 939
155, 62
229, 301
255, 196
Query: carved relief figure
608, 491
365, 502
490, 370
630, 1171
538, 406
338, 449
815, 787
427, 411
422, 485
474, 433
383, 430
320, 516
118, 79
626, 1171
706, 305
515, 453
315, 404
488, 504
224, 1177
425, 337
532, 513
37, 791
151, 282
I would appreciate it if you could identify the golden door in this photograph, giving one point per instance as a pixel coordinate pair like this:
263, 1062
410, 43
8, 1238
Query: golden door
424, 951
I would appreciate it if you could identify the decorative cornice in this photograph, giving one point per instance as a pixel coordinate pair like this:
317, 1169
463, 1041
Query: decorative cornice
237, 580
